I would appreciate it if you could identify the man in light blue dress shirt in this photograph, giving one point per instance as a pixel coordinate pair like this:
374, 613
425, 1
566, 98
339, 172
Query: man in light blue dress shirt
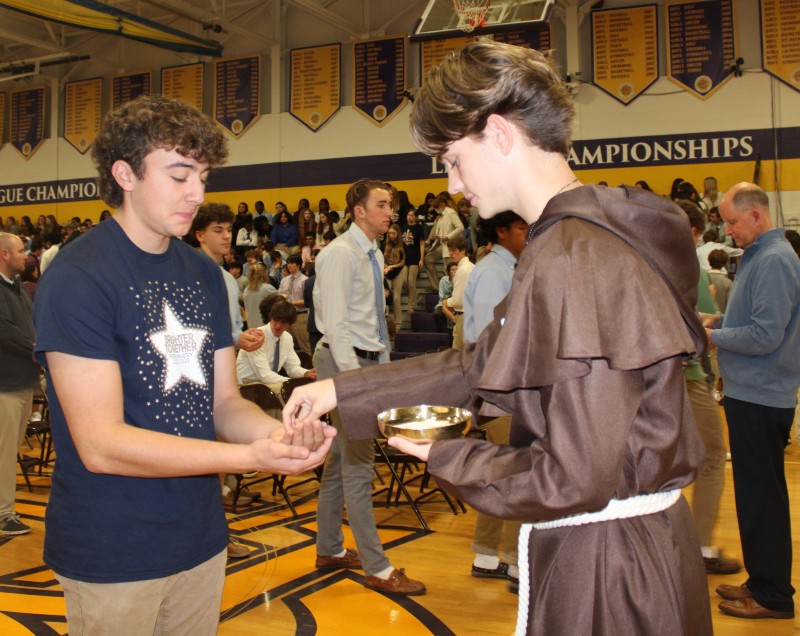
350, 310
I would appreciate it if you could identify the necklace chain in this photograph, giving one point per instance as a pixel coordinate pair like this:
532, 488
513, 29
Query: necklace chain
533, 225
575, 180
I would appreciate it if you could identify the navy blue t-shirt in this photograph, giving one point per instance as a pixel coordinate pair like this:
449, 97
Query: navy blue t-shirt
161, 317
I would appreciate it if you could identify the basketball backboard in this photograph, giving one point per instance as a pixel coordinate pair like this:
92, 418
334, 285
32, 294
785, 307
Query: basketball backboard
441, 20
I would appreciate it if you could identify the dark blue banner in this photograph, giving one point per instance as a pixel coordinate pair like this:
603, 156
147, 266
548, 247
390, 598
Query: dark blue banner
701, 44
237, 93
27, 120
535, 38
379, 78
126, 87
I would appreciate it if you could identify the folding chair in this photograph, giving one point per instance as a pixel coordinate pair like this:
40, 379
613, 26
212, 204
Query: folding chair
392, 458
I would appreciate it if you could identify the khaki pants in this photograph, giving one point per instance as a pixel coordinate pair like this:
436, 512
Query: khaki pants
15, 410
185, 603
300, 332
411, 283
495, 536
432, 257
711, 478
458, 332
397, 296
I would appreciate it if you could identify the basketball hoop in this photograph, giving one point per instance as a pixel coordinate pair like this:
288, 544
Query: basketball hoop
471, 13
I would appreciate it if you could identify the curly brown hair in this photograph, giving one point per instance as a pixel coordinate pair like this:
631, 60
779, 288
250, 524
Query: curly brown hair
484, 78
148, 123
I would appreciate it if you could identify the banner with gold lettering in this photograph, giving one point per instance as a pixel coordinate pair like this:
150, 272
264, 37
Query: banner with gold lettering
379, 77
237, 93
129, 86
83, 112
625, 50
434, 51
27, 120
183, 82
534, 38
315, 84
780, 39
701, 44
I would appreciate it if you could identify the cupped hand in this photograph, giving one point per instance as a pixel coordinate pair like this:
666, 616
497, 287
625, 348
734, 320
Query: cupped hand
420, 451
295, 452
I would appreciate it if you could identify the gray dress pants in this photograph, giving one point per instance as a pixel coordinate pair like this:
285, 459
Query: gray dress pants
347, 482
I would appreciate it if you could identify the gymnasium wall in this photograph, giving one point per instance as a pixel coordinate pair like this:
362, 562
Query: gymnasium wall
665, 133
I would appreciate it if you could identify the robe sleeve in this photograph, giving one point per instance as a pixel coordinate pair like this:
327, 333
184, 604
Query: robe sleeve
594, 441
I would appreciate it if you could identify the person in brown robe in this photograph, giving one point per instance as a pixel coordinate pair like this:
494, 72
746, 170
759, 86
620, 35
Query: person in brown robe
586, 353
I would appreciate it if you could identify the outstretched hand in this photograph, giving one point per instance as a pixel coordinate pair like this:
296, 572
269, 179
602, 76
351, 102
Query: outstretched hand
308, 403
420, 451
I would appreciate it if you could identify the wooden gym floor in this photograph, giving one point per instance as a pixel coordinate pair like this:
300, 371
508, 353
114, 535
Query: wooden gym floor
277, 590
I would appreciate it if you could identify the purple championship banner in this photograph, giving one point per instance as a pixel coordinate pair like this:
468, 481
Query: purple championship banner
379, 78
237, 93
701, 44
27, 120
129, 86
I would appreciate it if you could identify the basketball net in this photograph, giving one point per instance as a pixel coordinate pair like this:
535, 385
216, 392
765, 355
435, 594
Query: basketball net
471, 13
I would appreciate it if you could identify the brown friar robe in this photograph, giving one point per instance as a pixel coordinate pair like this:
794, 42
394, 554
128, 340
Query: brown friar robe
587, 354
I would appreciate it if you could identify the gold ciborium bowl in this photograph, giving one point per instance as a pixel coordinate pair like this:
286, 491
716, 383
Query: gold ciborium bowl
425, 423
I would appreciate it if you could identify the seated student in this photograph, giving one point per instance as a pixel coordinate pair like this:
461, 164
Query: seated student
235, 270
274, 263
277, 353
250, 259
246, 238
284, 233
258, 288
445, 291
307, 253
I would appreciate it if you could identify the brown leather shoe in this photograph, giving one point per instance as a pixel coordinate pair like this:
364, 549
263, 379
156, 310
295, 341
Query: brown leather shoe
398, 583
250, 494
721, 565
734, 592
349, 560
236, 550
749, 608
243, 502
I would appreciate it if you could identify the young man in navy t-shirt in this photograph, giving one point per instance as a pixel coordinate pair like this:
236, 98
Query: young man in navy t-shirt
134, 332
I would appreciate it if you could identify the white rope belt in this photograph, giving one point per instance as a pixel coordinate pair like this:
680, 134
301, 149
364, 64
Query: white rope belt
616, 509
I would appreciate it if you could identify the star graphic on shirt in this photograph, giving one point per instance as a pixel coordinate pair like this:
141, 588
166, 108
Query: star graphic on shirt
180, 346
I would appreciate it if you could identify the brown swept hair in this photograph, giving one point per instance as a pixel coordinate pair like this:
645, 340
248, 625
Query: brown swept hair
484, 78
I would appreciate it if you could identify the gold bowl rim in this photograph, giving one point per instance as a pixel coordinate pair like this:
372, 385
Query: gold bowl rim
457, 422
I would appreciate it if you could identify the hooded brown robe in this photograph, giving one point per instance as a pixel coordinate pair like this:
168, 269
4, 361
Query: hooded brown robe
586, 353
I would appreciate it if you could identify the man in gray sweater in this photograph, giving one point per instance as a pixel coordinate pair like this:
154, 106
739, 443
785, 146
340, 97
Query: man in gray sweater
18, 374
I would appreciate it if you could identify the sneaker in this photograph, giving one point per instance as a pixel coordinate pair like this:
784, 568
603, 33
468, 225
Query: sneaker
12, 526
